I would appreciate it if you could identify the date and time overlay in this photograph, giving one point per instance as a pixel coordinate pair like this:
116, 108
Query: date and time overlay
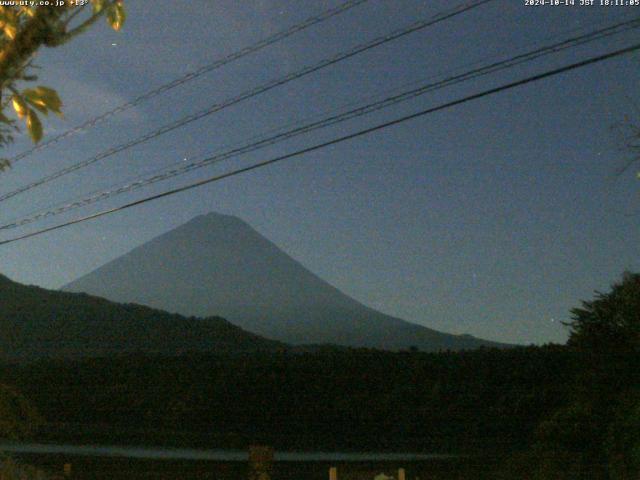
582, 3
527, 3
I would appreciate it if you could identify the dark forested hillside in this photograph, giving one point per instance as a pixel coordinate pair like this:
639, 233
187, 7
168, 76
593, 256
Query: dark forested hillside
36, 323
358, 399
566, 412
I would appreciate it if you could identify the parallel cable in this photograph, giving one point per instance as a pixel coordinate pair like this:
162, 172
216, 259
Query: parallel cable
181, 169
193, 75
249, 94
335, 141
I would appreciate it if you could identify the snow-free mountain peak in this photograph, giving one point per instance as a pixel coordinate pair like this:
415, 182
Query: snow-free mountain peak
219, 265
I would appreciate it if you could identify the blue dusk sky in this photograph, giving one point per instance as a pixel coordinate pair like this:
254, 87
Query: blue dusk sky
492, 218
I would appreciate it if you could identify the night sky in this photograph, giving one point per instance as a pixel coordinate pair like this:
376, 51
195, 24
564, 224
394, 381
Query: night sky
492, 218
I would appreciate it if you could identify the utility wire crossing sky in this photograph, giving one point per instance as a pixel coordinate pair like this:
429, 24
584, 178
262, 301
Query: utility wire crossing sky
360, 133
216, 107
180, 168
492, 219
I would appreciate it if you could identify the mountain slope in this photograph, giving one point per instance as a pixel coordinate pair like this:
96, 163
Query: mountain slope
36, 323
218, 265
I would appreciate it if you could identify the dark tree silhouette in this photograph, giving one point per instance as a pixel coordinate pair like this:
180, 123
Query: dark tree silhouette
611, 322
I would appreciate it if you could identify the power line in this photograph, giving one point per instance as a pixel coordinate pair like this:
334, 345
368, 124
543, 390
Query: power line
193, 75
335, 141
416, 26
180, 168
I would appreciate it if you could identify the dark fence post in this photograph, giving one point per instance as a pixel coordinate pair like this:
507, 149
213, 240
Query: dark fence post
333, 473
260, 462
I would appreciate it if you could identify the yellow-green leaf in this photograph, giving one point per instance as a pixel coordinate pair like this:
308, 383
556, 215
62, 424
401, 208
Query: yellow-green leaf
29, 11
116, 15
34, 126
10, 31
49, 98
35, 101
98, 5
38, 106
19, 106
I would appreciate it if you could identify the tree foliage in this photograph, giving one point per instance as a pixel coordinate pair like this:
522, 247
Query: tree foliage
23, 31
12, 470
332, 399
611, 322
18, 418
595, 434
623, 438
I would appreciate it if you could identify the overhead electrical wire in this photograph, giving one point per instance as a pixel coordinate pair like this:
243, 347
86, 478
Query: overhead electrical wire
181, 169
414, 27
327, 14
359, 133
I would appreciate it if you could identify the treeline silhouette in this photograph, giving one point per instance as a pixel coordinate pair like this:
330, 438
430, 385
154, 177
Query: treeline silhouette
332, 398
39, 323
547, 410
557, 411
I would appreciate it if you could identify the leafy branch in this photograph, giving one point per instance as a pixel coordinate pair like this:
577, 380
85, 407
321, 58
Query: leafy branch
23, 31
